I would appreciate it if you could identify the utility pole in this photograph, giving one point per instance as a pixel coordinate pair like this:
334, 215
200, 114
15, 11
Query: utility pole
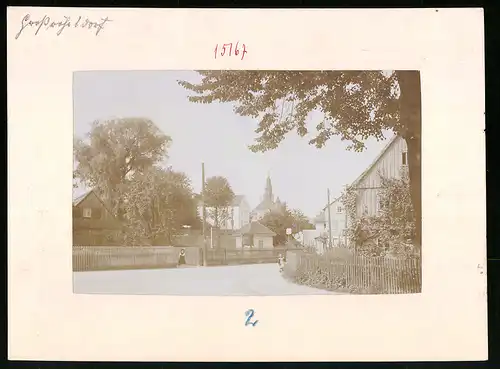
204, 213
329, 221
345, 223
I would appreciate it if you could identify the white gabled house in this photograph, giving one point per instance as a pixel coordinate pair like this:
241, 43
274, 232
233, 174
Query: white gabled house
338, 220
236, 216
390, 161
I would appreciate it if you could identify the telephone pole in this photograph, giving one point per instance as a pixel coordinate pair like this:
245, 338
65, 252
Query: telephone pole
204, 213
346, 219
329, 221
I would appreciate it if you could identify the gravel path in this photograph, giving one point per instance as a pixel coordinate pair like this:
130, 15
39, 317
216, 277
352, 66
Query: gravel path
241, 280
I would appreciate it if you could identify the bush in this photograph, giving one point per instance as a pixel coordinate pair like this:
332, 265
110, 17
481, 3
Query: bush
331, 273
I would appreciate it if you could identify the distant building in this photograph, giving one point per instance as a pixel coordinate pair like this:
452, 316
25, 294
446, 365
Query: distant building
234, 217
93, 222
337, 223
267, 203
255, 235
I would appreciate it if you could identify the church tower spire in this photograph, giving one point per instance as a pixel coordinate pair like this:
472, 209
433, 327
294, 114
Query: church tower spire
268, 194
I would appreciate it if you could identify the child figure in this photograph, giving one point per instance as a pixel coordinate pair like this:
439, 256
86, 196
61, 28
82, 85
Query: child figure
182, 258
281, 263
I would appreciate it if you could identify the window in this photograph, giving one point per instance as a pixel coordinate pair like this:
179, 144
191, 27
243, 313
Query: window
87, 213
365, 210
404, 158
261, 244
380, 203
339, 209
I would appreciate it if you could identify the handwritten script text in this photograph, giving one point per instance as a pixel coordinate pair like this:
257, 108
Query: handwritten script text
249, 314
57, 26
230, 50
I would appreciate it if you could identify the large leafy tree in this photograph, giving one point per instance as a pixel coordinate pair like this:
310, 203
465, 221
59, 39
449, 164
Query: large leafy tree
355, 105
113, 151
218, 197
157, 204
281, 218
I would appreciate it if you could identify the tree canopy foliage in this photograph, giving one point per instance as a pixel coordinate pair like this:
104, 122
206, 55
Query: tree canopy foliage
121, 160
218, 197
157, 204
355, 105
114, 150
278, 220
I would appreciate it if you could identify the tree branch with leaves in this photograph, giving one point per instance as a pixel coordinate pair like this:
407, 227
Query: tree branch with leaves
113, 151
279, 219
356, 105
157, 204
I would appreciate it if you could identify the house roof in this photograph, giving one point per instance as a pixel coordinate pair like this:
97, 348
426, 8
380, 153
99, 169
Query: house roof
332, 202
264, 205
369, 168
77, 200
256, 228
320, 218
376, 160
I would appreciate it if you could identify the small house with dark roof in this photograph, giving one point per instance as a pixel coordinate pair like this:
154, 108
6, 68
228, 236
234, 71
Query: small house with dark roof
93, 222
255, 235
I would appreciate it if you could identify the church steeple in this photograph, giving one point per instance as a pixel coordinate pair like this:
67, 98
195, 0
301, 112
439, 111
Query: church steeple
268, 194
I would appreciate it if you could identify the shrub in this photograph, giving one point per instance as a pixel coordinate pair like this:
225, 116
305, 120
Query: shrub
331, 273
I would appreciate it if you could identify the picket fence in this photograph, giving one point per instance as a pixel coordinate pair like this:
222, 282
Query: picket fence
87, 258
375, 274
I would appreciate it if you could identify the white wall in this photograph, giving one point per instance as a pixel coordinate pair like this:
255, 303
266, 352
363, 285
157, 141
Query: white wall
244, 214
390, 165
235, 213
337, 220
267, 242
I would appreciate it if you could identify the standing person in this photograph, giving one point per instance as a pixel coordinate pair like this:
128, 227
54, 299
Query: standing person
182, 258
281, 262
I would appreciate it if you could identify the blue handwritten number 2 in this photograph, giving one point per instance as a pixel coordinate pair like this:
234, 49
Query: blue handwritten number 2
249, 314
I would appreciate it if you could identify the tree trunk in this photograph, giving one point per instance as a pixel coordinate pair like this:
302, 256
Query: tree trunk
410, 128
216, 217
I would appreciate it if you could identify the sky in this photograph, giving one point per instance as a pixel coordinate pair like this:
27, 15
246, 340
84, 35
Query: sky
214, 134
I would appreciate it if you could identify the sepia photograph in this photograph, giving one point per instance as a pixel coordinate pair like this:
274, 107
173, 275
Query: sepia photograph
247, 182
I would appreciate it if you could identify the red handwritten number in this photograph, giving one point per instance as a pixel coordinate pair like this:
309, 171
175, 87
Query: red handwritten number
244, 51
229, 47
